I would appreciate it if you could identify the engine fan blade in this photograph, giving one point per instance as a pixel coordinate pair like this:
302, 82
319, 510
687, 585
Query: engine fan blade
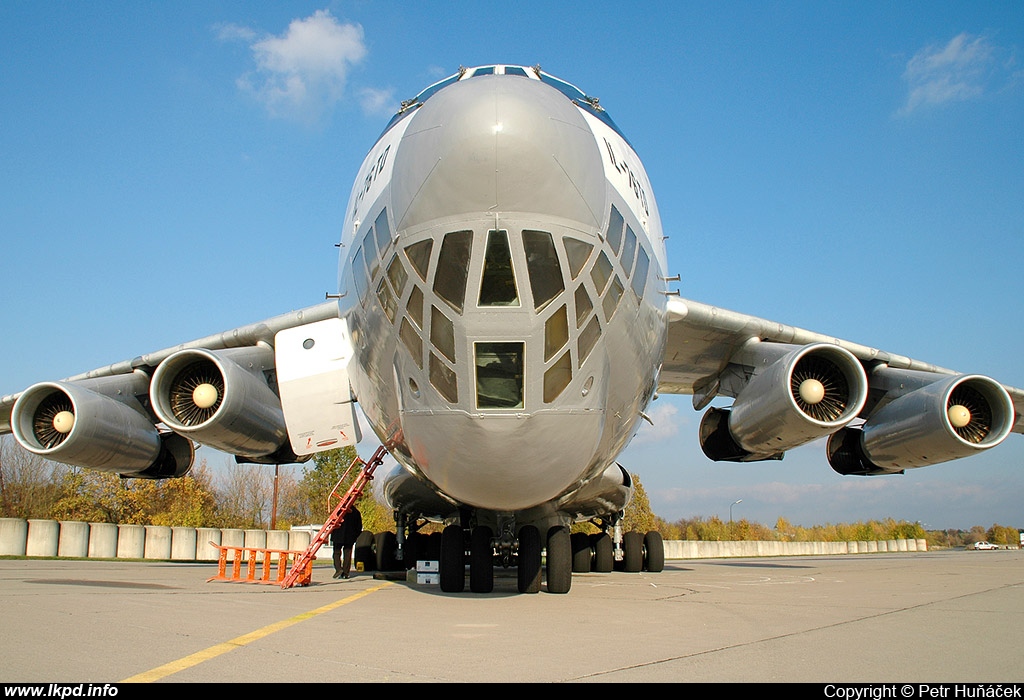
977, 424
196, 393
53, 420
820, 389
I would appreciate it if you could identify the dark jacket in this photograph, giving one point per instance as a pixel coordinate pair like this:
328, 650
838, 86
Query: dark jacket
347, 531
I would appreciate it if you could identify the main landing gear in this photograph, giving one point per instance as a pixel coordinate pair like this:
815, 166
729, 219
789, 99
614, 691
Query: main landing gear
552, 557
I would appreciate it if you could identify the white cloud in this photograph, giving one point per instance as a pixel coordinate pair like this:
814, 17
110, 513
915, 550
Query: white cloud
665, 418
374, 101
955, 72
301, 73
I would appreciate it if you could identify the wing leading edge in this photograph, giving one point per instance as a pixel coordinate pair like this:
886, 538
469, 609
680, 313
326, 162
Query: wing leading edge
914, 413
220, 390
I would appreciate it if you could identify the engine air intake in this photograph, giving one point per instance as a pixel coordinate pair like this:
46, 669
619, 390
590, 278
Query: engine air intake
196, 393
820, 388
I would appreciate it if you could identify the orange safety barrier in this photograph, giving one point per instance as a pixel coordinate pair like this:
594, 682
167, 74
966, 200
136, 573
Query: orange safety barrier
258, 568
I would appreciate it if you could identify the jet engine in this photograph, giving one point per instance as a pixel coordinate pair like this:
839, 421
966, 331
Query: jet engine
803, 395
952, 418
99, 424
223, 399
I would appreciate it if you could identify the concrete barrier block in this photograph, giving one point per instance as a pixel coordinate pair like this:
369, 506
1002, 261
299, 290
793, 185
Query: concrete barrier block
102, 540
73, 541
13, 536
232, 537
183, 543
43, 538
204, 550
277, 539
158, 542
255, 539
299, 540
131, 541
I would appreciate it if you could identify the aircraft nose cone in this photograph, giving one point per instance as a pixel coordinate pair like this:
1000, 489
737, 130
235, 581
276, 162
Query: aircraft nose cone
498, 143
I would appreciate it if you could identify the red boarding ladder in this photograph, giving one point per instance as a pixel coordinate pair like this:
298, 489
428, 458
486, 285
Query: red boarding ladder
305, 560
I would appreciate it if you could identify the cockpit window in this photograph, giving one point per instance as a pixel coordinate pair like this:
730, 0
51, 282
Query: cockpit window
578, 252
422, 97
615, 224
370, 248
498, 286
419, 256
397, 274
486, 70
581, 99
359, 273
570, 91
640, 276
453, 268
515, 70
601, 273
545, 271
383, 231
499, 375
629, 251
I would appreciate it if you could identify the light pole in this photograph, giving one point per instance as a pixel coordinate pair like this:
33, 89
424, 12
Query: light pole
730, 508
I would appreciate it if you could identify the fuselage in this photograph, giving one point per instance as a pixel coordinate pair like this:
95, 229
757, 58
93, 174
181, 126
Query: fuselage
502, 268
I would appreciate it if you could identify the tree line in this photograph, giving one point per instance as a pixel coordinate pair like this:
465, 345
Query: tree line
267, 497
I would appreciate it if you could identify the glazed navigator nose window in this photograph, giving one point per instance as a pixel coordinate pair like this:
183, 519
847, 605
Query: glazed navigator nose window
499, 375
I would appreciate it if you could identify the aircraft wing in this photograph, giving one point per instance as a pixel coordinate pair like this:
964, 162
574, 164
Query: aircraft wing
716, 352
252, 370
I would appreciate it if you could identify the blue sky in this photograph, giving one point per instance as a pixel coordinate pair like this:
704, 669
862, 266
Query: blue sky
171, 170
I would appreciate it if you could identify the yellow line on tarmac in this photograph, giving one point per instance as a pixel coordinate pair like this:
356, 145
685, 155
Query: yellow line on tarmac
161, 672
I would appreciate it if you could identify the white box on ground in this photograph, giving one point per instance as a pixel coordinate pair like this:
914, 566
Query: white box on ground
429, 578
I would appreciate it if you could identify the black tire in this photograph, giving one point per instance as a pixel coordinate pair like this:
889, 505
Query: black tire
481, 560
559, 560
453, 560
364, 553
654, 552
386, 544
633, 552
604, 559
582, 554
528, 559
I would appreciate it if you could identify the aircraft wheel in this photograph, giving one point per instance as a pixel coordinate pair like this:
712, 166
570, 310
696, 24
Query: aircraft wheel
604, 560
386, 544
452, 562
633, 551
528, 564
481, 560
654, 552
581, 552
364, 551
559, 560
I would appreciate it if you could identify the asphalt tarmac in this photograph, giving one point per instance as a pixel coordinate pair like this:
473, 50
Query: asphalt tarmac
922, 617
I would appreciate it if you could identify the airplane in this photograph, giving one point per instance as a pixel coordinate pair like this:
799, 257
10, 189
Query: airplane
504, 319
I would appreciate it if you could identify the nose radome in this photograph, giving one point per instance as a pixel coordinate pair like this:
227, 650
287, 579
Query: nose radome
498, 143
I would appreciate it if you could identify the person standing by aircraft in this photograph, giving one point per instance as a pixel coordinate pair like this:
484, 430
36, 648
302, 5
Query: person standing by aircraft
343, 539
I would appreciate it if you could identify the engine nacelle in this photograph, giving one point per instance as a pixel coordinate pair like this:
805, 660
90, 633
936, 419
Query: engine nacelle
222, 399
952, 418
98, 424
807, 393
607, 494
